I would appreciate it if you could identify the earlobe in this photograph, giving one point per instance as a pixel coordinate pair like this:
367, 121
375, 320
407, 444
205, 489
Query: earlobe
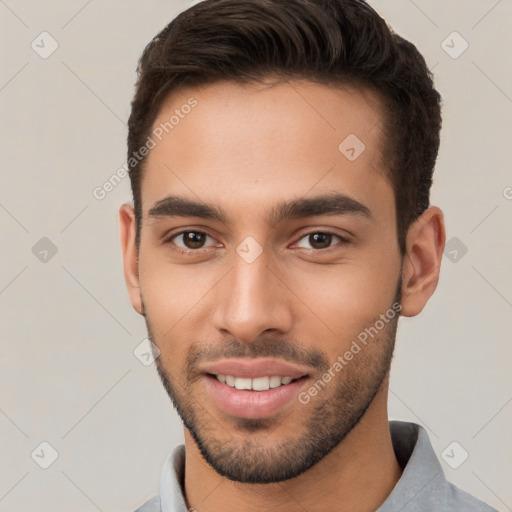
420, 273
127, 227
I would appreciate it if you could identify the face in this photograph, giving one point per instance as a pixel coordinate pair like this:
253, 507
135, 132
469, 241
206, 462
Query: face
268, 255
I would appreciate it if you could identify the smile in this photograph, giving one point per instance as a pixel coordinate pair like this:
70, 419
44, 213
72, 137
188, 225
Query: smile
257, 384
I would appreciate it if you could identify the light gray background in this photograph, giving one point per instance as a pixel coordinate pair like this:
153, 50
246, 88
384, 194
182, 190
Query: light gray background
68, 373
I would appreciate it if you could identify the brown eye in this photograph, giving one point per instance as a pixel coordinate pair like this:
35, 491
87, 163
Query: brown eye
190, 239
319, 240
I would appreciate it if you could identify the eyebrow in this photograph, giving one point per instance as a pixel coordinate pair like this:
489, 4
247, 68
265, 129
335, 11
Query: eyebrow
328, 204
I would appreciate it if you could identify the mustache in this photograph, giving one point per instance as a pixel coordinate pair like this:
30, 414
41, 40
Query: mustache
262, 348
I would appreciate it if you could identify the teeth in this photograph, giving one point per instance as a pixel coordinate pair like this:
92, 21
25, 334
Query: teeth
260, 384
275, 382
243, 383
257, 384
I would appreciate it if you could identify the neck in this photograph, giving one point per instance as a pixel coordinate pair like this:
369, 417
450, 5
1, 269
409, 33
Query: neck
356, 476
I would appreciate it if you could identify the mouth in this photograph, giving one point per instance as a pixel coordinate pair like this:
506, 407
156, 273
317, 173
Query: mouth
253, 388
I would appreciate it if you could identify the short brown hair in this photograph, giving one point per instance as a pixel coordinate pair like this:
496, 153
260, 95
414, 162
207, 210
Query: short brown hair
324, 41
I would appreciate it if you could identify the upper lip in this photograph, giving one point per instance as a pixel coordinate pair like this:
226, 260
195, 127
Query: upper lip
254, 368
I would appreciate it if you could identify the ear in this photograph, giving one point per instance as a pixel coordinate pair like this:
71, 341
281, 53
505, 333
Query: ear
422, 262
127, 226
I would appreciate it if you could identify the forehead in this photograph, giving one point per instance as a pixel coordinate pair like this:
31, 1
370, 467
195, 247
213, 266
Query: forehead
263, 142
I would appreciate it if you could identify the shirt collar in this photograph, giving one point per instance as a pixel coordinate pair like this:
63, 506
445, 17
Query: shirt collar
414, 452
421, 468
172, 482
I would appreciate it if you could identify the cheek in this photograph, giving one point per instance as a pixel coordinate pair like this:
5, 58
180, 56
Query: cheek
347, 298
168, 292
177, 301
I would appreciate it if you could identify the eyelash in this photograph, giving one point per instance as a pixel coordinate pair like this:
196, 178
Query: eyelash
194, 252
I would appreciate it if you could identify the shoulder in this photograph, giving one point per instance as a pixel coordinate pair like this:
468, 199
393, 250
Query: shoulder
152, 505
423, 485
455, 499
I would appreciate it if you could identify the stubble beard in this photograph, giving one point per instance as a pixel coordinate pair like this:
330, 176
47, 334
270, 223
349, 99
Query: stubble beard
328, 418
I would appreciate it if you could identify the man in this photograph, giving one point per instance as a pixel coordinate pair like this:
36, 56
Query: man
281, 157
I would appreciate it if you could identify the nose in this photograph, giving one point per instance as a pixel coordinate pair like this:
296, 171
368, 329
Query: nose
252, 299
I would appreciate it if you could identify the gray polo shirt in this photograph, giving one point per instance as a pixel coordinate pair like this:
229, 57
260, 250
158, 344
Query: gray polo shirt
422, 486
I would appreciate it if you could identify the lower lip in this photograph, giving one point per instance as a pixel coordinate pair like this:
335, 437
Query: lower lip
245, 403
